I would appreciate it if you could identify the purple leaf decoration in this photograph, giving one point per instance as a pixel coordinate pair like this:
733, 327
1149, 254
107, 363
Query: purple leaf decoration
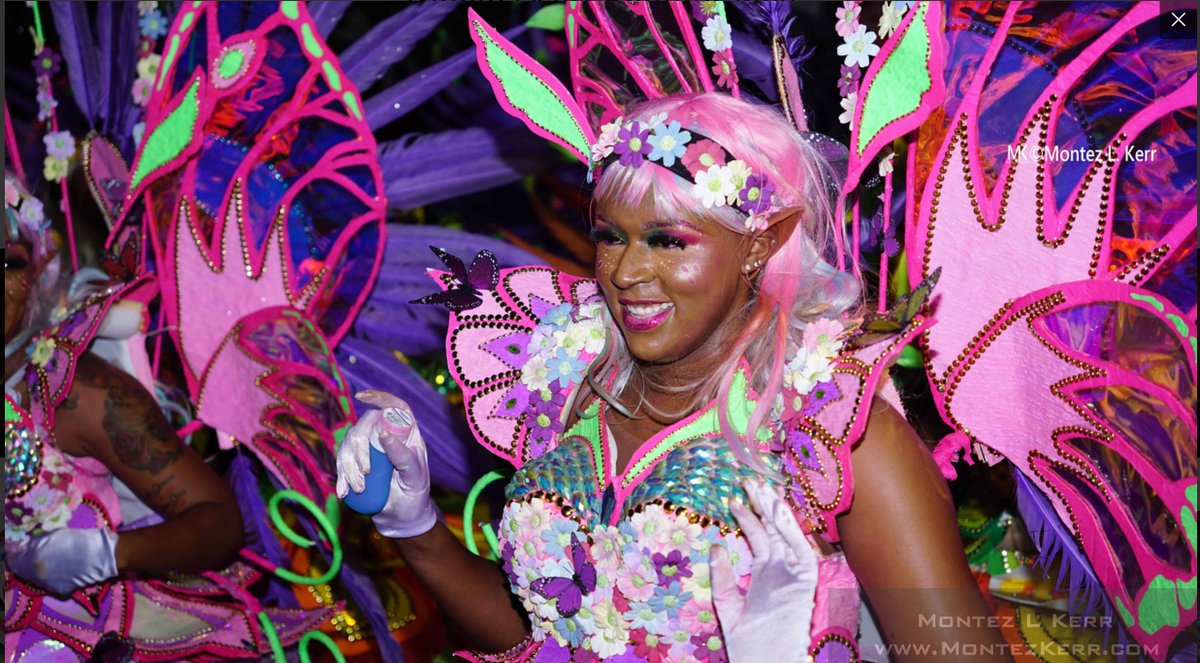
390, 41
1055, 542
326, 14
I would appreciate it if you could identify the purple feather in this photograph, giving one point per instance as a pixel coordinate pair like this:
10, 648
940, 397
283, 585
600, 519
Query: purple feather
260, 537
326, 14
101, 64
364, 595
411, 92
1054, 542
390, 41
79, 53
420, 170
773, 17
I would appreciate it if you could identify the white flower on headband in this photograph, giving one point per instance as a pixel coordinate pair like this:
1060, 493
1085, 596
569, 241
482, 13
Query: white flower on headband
606, 140
739, 172
713, 186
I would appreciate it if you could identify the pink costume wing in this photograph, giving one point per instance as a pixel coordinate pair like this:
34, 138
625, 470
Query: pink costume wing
816, 454
487, 349
262, 192
1057, 195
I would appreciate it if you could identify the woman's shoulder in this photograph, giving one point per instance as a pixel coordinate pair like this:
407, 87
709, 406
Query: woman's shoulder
829, 392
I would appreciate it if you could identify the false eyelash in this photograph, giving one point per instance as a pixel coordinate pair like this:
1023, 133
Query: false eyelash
603, 236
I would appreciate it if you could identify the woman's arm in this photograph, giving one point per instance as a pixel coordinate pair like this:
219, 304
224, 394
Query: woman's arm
901, 538
472, 592
109, 416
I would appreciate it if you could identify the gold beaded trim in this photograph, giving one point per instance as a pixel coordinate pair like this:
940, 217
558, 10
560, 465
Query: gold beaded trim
834, 637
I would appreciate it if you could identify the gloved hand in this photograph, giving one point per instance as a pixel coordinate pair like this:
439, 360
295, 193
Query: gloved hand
409, 510
771, 621
66, 559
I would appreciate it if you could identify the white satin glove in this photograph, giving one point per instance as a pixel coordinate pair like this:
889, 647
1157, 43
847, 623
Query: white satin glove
771, 621
66, 559
409, 510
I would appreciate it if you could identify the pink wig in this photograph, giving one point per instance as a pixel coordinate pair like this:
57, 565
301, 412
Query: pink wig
798, 283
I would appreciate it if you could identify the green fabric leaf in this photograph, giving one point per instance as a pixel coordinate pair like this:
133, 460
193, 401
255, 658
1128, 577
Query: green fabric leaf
898, 85
170, 137
539, 105
550, 17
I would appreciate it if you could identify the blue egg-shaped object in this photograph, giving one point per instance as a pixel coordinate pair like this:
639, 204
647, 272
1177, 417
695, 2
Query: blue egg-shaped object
378, 482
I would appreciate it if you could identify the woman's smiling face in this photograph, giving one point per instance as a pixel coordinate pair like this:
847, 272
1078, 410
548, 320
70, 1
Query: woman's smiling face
670, 283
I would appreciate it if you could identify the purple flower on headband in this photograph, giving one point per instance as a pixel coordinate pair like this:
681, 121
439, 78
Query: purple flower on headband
755, 197
848, 79
46, 63
633, 144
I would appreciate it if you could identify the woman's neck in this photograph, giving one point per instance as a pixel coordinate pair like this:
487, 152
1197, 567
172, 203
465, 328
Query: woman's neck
668, 392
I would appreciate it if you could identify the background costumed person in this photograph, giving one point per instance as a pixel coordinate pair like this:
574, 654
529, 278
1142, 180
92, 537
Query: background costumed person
83, 441
636, 405
226, 158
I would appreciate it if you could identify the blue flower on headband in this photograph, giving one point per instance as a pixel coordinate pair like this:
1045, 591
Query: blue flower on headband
669, 143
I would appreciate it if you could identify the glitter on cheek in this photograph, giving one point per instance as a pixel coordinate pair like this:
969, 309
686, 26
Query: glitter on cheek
689, 273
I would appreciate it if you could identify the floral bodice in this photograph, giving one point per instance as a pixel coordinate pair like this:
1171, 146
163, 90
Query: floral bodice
617, 566
47, 490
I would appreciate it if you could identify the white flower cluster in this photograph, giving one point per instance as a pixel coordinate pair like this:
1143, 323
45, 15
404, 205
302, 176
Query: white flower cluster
812, 362
563, 344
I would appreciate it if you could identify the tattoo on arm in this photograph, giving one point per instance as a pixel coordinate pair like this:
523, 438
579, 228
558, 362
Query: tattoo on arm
139, 433
164, 501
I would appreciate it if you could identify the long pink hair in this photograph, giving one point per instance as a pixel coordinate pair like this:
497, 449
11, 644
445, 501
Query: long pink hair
797, 285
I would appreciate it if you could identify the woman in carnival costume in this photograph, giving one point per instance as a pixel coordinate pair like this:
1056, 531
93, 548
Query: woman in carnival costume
677, 420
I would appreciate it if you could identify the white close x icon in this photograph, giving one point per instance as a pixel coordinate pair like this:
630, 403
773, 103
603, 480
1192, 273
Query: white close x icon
1177, 19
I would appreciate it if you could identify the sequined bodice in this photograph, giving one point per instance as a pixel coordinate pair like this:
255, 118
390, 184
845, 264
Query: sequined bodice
612, 565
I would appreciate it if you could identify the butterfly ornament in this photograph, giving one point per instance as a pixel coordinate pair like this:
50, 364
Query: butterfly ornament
465, 282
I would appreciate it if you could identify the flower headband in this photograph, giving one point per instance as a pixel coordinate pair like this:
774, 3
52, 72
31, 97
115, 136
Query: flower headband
717, 179
26, 217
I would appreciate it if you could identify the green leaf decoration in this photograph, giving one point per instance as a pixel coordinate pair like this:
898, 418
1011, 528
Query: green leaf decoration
550, 17
170, 137
530, 92
899, 84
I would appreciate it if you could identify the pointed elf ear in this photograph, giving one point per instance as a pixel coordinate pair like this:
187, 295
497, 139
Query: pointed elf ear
528, 91
764, 243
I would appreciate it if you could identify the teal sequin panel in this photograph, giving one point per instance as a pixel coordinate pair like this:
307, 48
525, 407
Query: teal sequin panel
565, 471
701, 476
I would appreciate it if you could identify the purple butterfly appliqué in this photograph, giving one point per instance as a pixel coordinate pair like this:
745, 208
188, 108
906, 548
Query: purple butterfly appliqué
570, 591
463, 293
